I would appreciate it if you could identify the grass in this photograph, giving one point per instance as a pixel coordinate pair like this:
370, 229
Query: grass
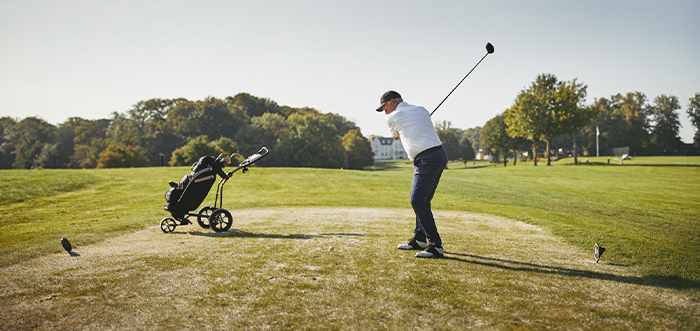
17, 186
645, 212
274, 270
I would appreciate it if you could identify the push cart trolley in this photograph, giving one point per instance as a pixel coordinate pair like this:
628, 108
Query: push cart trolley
185, 195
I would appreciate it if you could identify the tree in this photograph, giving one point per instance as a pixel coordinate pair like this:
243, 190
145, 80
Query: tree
145, 125
89, 142
6, 146
623, 120
495, 138
358, 150
211, 117
342, 124
120, 156
263, 131
310, 141
664, 134
448, 137
225, 145
192, 151
694, 114
546, 109
59, 153
253, 106
531, 117
466, 151
473, 134
569, 112
28, 138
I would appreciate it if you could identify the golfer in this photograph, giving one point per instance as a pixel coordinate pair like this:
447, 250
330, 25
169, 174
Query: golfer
412, 125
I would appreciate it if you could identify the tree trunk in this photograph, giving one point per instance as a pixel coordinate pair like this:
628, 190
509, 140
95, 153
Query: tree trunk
534, 152
549, 160
505, 159
515, 157
575, 154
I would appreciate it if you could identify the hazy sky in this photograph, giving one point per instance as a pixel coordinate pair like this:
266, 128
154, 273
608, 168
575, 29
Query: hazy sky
60, 59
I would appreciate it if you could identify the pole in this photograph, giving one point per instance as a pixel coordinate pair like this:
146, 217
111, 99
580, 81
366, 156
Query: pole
597, 133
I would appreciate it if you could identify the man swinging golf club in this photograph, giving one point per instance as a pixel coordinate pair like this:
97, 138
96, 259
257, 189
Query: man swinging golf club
412, 125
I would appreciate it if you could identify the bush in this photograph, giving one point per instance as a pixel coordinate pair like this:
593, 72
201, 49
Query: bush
120, 156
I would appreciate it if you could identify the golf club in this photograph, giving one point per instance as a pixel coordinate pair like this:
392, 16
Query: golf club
489, 50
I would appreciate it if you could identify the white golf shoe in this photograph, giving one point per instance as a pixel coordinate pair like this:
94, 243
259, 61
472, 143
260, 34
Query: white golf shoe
413, 244
431, 252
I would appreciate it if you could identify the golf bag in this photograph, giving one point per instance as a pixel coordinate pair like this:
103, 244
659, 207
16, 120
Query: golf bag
187, 194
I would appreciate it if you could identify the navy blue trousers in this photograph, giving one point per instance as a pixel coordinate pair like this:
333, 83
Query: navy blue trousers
426, 177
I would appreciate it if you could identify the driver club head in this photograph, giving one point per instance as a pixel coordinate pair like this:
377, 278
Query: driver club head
489, 48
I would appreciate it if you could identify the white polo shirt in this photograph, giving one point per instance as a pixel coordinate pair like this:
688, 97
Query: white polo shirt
413, 125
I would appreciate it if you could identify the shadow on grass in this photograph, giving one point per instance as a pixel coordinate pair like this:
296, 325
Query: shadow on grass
475, 167
617, 164
390, 165
672, 282
235, 233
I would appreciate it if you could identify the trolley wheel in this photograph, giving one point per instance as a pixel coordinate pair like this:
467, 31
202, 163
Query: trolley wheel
220, 220
168, 225
203, 216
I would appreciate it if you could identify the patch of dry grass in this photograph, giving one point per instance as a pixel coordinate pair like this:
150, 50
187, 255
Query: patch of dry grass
274, 270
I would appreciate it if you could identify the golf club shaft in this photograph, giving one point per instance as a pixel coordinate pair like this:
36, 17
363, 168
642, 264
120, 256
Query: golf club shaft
460, 82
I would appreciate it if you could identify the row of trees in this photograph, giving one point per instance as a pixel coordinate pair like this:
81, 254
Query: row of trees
178, 131
551, 114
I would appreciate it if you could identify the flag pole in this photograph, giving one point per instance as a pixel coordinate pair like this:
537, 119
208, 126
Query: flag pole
597, 133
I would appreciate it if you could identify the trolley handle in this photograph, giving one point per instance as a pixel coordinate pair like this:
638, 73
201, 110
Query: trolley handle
250, 160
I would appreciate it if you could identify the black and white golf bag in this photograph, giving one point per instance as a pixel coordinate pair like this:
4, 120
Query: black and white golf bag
187, 194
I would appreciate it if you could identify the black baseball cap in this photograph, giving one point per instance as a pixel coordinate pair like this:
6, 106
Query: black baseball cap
386, 97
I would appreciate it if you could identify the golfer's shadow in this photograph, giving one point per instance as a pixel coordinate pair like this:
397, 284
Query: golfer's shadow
653, 280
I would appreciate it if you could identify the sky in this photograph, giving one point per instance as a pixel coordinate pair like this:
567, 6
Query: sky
61, 59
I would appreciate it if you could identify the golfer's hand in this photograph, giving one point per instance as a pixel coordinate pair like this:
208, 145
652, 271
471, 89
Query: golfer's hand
398, 137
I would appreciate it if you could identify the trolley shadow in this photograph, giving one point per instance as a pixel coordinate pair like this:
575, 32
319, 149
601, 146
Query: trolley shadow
236, 233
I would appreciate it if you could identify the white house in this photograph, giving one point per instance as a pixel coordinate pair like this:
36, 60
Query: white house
387, 148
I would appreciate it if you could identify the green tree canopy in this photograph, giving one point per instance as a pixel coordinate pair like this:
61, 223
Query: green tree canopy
120, 156
310, 141
6, 146
495, 138
694, 113
622, 121
473, 134
28, 138
342, 124
664, 134
358, 150
449, 139
90, 140
466, 149
546, 109
253, 106
174, 127
193, 150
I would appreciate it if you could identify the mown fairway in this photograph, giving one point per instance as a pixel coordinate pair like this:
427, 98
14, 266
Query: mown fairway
273, 269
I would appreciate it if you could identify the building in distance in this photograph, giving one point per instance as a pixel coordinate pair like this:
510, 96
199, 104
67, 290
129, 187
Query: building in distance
384, 148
